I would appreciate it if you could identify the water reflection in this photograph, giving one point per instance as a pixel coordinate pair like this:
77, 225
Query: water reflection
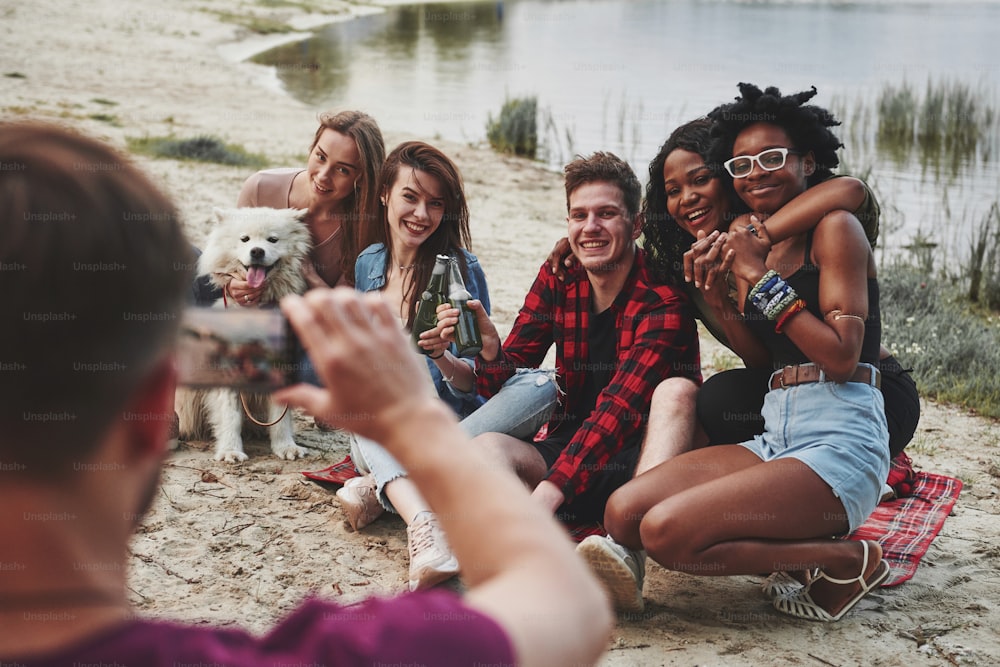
620, 76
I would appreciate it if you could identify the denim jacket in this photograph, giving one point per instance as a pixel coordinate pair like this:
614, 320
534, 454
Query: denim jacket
369, 276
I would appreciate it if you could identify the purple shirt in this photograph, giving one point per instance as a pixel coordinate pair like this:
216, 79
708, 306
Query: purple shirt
426, 628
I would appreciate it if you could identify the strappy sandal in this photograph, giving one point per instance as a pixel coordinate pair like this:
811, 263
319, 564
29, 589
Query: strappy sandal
782, 584
801, 604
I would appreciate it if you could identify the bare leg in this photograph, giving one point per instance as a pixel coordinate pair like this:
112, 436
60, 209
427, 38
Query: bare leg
405, 497
672, 423
510, 453
629, 504
777, 515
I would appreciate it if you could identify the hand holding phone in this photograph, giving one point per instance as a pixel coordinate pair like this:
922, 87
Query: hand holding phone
248, 349
375, 380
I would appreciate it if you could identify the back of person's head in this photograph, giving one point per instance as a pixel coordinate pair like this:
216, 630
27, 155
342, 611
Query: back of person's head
807, 125
94, 269
362, 222
603, 167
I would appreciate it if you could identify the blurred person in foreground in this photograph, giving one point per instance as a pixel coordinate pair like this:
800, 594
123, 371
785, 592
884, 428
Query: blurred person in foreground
86, 398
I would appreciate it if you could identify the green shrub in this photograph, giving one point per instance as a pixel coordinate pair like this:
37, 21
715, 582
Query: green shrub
516, 130
954, 352
202, 149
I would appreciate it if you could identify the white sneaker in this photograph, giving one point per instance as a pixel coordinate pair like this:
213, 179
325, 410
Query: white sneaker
431, 559
359, 500
620, 569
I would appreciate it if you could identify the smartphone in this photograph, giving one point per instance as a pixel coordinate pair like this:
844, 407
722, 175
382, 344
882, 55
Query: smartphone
249, 349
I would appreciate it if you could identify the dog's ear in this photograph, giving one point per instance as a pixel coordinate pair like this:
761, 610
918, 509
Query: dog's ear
220, 213
300, 214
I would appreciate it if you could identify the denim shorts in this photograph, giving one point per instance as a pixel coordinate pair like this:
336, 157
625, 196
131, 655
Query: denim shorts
839, 431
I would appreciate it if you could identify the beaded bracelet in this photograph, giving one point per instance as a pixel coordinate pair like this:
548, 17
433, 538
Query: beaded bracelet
766, 283
797, 306
775, 308
772, 301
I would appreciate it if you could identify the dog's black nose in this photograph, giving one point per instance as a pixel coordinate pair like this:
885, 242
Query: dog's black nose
257, 253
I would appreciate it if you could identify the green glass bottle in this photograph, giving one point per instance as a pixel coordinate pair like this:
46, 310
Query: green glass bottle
432, 297
467, 337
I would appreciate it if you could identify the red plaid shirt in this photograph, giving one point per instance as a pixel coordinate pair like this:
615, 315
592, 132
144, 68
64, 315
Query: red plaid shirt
656, 338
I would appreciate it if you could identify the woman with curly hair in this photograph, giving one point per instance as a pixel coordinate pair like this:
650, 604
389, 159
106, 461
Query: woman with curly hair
688, 205
807, 304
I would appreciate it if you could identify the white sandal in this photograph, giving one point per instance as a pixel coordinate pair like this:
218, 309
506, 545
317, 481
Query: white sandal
782, 584
801, 604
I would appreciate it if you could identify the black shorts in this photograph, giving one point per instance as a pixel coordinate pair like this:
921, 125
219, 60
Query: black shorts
588, 507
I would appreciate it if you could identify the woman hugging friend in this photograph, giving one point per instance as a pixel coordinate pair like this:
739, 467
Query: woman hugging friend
806, 303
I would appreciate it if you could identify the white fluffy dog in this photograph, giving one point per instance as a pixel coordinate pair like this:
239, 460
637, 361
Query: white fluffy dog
266, 247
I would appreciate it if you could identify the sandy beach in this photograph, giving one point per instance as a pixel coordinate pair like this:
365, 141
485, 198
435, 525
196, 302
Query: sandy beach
243, 544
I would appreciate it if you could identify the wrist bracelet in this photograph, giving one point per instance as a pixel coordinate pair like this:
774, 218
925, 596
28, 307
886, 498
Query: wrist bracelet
437, 357
797, 306
766, 282
454, 370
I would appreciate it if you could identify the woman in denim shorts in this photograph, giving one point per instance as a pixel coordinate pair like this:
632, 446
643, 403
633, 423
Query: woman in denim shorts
809, 306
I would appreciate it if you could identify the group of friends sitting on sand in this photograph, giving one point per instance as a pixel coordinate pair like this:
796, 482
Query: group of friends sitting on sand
743, 225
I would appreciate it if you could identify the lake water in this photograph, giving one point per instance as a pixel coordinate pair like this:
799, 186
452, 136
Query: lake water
620, 76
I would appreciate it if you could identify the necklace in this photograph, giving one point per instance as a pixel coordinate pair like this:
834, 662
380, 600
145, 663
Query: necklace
406, 268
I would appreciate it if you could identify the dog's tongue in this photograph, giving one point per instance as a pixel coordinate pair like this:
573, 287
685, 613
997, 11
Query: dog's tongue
255, 276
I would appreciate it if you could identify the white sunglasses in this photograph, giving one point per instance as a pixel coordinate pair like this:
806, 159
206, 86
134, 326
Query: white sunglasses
770, 160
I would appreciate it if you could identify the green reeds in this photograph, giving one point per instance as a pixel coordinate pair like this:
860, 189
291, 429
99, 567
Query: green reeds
516, 129
984, 262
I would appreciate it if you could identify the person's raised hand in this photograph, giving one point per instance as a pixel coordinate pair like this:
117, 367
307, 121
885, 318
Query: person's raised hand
749, 243
373, 378
706, 259
561, 258
432, 340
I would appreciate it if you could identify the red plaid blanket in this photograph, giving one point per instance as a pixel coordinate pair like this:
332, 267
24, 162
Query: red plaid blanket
338, 473
905, 527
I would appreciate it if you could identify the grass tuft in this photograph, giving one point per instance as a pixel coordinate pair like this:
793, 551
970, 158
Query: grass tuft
516, 130
201, 149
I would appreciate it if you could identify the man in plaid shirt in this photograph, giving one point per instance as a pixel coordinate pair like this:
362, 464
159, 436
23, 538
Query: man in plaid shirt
617, 335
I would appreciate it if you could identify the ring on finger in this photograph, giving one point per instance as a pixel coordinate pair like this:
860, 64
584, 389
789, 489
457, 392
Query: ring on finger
752, 229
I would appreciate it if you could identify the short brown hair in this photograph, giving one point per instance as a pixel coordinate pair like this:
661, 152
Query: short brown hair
605, 168
94, 269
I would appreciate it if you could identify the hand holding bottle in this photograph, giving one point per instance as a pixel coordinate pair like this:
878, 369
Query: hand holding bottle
448, 318
430, 299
